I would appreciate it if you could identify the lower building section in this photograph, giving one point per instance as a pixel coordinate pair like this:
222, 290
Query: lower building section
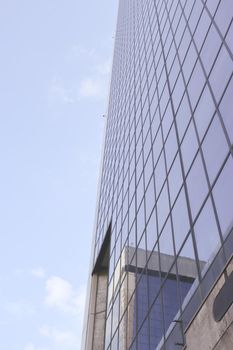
207, 331
144, 318
154, 303
149, 317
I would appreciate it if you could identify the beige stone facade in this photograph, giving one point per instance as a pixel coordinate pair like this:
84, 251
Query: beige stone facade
204, 332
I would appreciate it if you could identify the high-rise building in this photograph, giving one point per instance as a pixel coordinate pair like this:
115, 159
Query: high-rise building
162, 266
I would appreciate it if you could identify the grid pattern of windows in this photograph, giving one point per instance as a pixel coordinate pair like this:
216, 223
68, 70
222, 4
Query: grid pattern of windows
167, 175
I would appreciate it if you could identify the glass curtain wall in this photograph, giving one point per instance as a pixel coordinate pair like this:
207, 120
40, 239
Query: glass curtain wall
167, 175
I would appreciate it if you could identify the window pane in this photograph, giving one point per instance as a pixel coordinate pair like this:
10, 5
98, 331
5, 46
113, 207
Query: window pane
180, 220
215, 148
162, 207
224, 15
166, 245
160, 174
175, 179
221, 73
189, 147
223, 195
206, 232
183, 117
204, 112
226, 108
197, 186
210, 48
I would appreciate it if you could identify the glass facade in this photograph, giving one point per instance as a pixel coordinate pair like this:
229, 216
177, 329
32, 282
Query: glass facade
166, 189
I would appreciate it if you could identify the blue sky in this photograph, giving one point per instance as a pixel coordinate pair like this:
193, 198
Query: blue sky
54, 77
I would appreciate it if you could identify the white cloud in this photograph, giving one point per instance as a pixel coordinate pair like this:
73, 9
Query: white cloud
60, 294
92, 88
89, 82
58, 91
38, 272
60, 337
96, 86
89, 87
80, 300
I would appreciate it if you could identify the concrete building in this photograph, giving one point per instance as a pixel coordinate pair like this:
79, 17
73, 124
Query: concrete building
161, 270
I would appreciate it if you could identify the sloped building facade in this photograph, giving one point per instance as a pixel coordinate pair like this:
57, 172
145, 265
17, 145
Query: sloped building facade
163, 243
